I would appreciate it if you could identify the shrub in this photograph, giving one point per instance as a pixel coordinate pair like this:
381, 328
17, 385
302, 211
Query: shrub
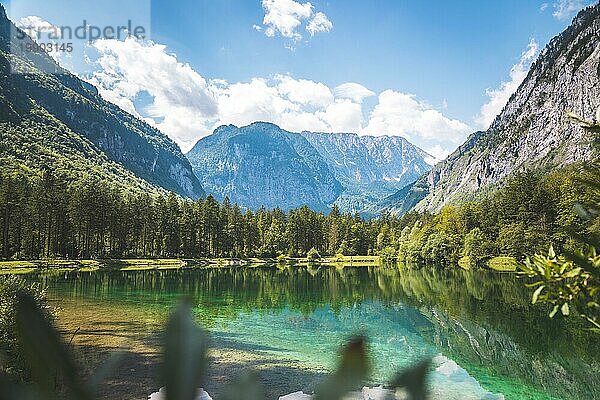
313, 255
387, 255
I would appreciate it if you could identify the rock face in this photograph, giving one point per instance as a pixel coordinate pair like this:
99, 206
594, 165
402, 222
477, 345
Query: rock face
531, 132
369, 167
262, 164
62, 103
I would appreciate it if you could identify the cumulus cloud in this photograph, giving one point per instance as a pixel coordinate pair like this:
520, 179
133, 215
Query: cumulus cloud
353, 91
38, 28
402, 114
244, 103
499, 97
42, 31
564, 9
182, 100
438, 153
343, 116
305, 91
186, 106
319, 23
285, 17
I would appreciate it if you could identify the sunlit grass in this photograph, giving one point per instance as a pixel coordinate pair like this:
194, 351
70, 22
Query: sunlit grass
503, 264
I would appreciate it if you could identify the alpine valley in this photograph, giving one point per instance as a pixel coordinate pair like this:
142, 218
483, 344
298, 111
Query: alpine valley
532, 133
267, 263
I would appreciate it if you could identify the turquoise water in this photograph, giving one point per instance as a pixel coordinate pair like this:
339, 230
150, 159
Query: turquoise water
486, 340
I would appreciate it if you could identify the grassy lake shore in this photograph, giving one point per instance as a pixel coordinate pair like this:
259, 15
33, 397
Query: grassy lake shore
499, 264
29, 266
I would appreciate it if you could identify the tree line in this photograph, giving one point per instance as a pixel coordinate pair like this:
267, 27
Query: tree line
525, 216
46, 216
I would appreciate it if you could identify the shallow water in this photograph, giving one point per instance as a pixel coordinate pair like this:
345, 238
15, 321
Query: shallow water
486, 340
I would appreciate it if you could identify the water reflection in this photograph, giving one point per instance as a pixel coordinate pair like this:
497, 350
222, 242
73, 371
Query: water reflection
481, 320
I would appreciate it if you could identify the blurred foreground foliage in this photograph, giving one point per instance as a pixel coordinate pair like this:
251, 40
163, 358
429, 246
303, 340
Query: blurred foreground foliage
11, 361
55, 375
570, 282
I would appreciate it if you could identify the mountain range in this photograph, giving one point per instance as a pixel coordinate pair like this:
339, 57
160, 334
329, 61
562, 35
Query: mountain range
60, 122
264, 165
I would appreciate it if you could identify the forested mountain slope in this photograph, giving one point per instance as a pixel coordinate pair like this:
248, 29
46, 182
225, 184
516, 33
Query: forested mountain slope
58, 122
531, 133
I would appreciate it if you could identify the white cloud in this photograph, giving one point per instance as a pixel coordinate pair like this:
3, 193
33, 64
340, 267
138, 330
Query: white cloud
182, 100
352, 90
402, 115
543, 7
304, 91
343, 116
42, 31
500, 96
38, 28
186, 106
319, 23
564, 9
438, 154
284, 17
244, 103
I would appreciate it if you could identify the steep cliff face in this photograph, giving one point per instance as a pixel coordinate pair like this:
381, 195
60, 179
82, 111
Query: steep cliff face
263, 165
532, 131
63, 102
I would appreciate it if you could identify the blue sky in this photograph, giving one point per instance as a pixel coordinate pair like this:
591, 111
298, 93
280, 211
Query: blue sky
424, 69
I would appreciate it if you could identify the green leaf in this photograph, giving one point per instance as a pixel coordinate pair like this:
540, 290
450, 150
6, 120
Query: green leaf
551, 252
565, 309
414, 380
352, 370
554, 311
184, 354
573, 273
537, 292
46, 352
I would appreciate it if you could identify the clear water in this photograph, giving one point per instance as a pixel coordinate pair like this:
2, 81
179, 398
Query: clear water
486, 340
